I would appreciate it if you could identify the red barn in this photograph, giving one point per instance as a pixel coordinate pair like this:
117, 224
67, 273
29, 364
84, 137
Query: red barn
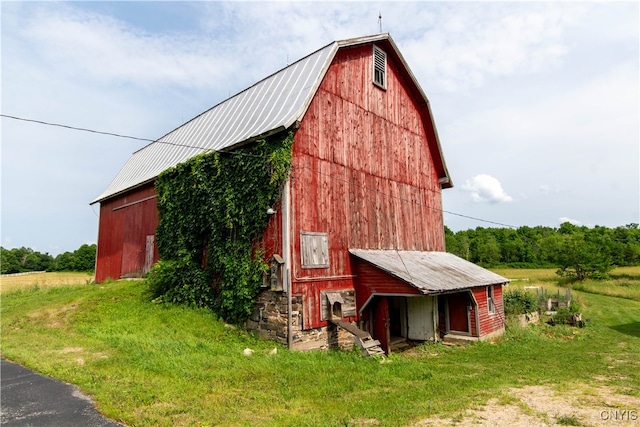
358, 236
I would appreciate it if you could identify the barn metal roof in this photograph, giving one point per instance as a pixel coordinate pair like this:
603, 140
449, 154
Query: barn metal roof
269, 106
430, 272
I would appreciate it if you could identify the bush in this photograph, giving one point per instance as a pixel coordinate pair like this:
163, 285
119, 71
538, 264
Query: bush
180, 282
518, 301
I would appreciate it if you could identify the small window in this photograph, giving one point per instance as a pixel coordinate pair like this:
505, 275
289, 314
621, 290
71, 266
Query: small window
491, 306
379, 68
314, 248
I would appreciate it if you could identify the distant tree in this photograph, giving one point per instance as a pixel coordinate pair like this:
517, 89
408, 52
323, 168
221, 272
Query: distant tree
450, 241
9, 262
488, 250
85, 258
585, 253
64, 262
23, 259
82, 259
36, 261
578, 251
512, 249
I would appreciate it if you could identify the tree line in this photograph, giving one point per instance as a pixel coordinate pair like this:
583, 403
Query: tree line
20, 260
577, 251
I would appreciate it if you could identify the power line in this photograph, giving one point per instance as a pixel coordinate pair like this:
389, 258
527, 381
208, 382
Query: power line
251, 155
76, 128
478, 219
175, 144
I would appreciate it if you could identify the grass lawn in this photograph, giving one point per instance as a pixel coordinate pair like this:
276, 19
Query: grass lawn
150, 364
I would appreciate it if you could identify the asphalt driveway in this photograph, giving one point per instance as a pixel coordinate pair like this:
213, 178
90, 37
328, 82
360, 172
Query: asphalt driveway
31, 399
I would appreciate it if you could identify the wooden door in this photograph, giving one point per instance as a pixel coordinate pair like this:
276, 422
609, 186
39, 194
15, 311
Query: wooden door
420, 318
458, 312
149, 253
381, 323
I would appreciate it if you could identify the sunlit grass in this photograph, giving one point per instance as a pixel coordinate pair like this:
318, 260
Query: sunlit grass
10, 283
151, 364
624, 282
618, 286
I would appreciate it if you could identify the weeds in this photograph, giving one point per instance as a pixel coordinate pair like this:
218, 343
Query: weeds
568, 420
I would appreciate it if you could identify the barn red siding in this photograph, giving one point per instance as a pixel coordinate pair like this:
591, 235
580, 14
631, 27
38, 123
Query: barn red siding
473, 318
489, 322
362, 172
271, 241
371, 280
125, 223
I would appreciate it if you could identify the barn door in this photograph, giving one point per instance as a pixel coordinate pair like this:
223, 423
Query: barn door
381, 323
148, 254
458, 310
420, 318
132, 249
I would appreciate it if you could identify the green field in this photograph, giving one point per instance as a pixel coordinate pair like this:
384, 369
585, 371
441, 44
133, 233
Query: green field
148, 364
624, 281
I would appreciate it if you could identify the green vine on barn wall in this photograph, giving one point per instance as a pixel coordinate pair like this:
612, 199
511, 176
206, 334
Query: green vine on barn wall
213, 211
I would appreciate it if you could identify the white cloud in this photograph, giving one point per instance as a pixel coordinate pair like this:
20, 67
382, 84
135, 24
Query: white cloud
96, 46
564, 219
485, 188
508, 40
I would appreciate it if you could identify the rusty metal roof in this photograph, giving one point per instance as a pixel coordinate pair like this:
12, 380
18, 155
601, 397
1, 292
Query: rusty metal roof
269, 106
430, 272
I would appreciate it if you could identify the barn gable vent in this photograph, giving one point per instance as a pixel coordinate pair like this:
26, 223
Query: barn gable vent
379, 67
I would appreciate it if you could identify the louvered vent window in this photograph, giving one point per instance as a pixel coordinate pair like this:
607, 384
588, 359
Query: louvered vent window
379, 68
314, 248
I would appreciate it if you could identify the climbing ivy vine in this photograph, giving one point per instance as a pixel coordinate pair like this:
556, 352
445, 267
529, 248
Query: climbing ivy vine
213, 211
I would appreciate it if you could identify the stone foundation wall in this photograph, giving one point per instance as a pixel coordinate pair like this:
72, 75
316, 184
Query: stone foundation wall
269, 320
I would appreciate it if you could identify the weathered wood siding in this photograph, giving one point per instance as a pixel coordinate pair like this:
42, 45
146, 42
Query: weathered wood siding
362, 172
271, 241
125, 223
489, 322
371, 280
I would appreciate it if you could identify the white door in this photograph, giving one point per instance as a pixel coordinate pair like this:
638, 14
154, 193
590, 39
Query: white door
420, 317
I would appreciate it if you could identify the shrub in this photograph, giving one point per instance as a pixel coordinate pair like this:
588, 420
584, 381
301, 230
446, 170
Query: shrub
518, 301
180, 282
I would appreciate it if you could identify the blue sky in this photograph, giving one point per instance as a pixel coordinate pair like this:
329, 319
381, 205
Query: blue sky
536, 104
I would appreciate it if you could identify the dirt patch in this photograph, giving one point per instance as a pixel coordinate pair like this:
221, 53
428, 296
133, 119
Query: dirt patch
543, 406
80, 356
53, 317
71, 350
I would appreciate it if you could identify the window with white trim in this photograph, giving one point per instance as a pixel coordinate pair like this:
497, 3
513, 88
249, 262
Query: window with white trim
314, 249
379, 67
491, 305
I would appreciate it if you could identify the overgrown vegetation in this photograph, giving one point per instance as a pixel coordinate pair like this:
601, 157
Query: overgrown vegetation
21, 260
213, 210
520, 301
577, 252
165, 365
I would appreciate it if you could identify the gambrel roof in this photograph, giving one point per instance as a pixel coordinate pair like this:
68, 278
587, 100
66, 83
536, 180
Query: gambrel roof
270, 106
